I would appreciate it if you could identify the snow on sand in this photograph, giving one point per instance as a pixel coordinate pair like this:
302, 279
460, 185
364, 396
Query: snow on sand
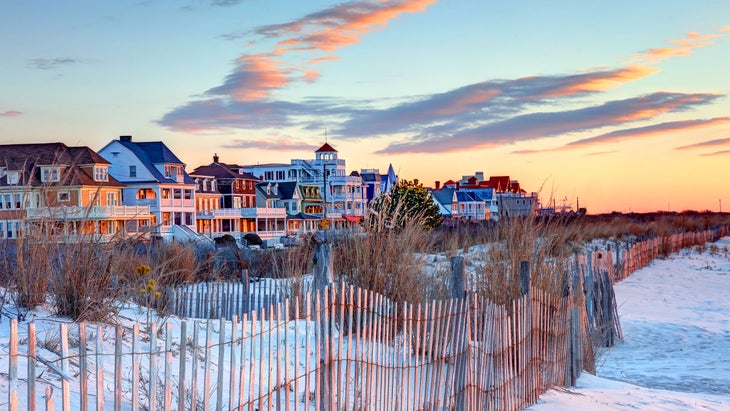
675, 315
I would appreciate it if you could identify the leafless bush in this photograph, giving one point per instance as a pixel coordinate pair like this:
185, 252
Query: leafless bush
386, 259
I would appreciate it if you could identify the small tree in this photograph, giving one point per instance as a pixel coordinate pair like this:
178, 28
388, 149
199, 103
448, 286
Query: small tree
408, 201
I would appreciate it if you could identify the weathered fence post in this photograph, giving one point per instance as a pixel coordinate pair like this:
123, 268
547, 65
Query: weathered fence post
524, 277
323, 278
458, 287
323, 261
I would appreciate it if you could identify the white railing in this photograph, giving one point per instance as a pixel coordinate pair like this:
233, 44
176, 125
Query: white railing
92, 212
263, 212
176, 202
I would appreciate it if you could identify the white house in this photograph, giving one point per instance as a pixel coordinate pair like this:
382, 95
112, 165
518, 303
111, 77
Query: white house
155, 177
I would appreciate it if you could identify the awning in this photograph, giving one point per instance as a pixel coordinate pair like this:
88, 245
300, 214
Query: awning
353, 218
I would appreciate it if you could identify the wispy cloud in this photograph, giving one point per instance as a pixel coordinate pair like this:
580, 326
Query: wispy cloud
679, 47
716, 153
483, 101
533, 126
316, 35
11, 113
485, 114
709, 143
257, 76
225, 3
635, 133
279, 144
52, 63
651, 130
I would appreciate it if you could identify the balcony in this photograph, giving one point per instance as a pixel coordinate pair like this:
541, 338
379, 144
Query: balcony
263, 212
90, 213
176, 202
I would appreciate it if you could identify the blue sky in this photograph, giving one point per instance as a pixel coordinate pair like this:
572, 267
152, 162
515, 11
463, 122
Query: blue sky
621, 103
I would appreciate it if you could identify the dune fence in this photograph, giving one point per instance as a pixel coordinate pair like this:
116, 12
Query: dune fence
334, 348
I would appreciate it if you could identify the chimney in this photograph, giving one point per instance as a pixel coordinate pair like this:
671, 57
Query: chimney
215, 158
438, 185
125, 138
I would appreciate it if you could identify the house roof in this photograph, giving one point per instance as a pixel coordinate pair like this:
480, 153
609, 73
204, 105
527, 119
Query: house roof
216, 170
444, 196
26, 157
155, 152
261, 187
326, 148
287, 189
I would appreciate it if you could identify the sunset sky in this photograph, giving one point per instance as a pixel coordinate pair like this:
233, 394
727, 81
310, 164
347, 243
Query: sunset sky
622, 104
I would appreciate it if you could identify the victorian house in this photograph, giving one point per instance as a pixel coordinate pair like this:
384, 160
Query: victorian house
63, 193
156, 178
343, 195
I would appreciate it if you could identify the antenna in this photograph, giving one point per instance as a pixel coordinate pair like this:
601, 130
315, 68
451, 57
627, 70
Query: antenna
325, 136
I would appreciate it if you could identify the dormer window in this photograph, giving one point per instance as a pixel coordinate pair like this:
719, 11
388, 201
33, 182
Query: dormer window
13, 177
50, 174
101, 174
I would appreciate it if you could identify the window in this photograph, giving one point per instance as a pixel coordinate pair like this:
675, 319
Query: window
165, 193
280, 175
133, 171
101, 174
166, 218
93, 198
269, 175
17, 200
13, 177
111, 199
188, 218
50, 174
172, 171
64, 196
177, 193
188, 194
8, 201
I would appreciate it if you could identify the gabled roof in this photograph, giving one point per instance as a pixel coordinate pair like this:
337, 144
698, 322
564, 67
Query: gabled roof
216, 170
261, 187
26, 157
326, 148
151, 153
287, 189
444, 196
156, 152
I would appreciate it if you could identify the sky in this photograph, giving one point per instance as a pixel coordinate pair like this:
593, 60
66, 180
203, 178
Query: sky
613, 106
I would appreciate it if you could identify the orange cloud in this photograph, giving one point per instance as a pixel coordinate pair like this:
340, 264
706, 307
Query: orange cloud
254, 78
11, 113
678, 48
325, 31
600, 81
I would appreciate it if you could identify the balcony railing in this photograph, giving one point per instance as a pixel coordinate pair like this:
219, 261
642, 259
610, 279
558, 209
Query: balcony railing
176, 202
92, 212
263, 212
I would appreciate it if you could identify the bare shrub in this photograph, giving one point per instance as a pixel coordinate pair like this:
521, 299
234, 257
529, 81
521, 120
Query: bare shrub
84, 286
385, 258
27, 267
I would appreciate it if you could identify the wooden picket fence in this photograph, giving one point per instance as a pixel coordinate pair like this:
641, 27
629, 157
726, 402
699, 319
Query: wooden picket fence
341, 348
344, 348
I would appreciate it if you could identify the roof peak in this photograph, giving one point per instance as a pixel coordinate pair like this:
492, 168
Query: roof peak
326, 148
